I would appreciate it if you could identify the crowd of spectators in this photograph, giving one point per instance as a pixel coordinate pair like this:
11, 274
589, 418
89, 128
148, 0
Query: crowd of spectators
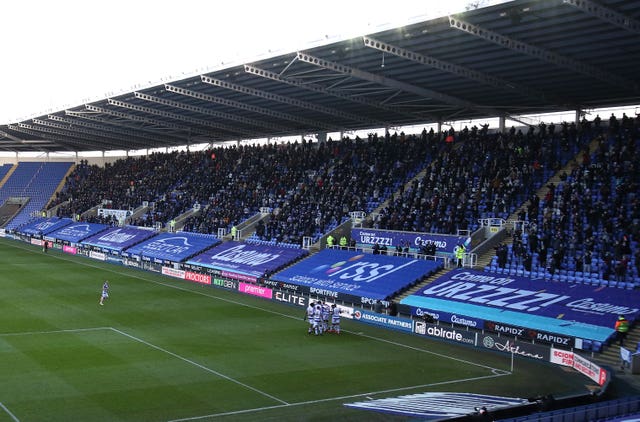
482, 175
589, 223
308, 187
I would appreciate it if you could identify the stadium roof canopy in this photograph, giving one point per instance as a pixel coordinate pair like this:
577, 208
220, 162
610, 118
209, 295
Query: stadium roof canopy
515, 58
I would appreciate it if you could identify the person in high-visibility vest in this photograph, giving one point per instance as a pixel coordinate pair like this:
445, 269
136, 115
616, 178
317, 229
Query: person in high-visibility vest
459, 252
343, 242
622, 328
330, 241
233, 232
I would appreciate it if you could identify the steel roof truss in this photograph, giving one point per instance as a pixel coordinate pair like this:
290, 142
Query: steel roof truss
540, 53
64, 130
606, 14
280, 98
153, 122
63, 141
385, 81
148, 133
455, 69
242, 106
209, 112
174, 116
326, 91
120, 134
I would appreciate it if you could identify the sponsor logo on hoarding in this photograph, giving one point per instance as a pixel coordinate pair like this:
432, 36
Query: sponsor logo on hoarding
421, 313
528, 333
510, 346
281, 285
290, 298
506, 329
97, 255
222, 282
132, 263
444, 333
239, 277
562, 357
172, 272
323, 292
69, 249
370, 301
383, 320
252, 289
197, 277
462, 321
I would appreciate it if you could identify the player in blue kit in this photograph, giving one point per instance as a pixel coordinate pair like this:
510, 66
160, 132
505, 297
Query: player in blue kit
105, 292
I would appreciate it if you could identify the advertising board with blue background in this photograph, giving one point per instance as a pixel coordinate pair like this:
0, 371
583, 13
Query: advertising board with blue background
248, 259
400, 324
43, 226
119, 238
566, 308
173, 246
366, 238
75, 232
373, 276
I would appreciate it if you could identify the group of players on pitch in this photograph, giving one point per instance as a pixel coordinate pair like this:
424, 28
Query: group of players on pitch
319, 314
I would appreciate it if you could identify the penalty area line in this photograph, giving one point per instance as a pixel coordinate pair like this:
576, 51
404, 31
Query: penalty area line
9, 412
196, 364
352, 396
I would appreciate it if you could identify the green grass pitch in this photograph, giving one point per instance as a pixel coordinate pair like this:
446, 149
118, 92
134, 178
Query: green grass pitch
163, 349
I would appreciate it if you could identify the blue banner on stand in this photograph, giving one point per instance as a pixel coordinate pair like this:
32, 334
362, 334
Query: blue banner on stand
75, 232
366, 238
575, 310
43, 226
173, 246
119, 238
372, 276
248, 259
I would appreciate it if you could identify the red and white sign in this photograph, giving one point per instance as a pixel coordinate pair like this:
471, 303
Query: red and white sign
197, 277
172, 272
580, 364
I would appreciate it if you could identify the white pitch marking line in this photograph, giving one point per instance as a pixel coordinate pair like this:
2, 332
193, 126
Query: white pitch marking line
175, 355
9, 413
259, 409
70, 330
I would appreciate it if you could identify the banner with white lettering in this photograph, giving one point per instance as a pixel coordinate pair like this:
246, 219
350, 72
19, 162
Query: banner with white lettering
518, 348
452, 317
372, 276
173, 246
119, 238
42, 226
366, 238
574, 310
446, 333
400, 324
75, 232
244, 258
